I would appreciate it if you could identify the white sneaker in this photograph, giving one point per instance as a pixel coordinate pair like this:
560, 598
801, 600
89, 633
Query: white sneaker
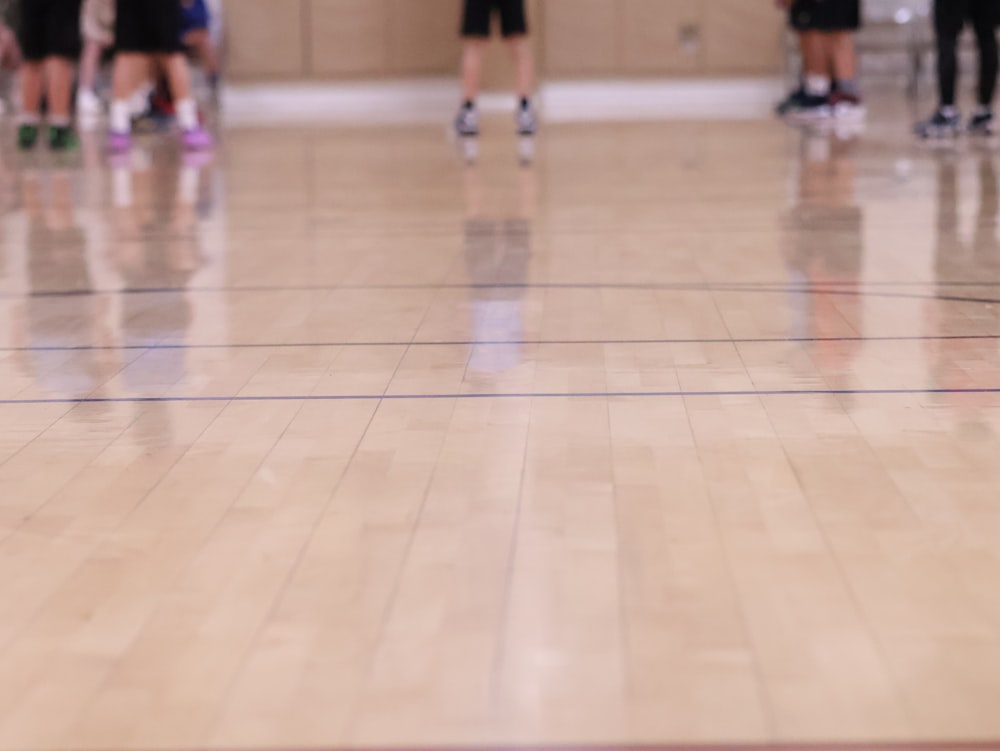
467, 121
88, 104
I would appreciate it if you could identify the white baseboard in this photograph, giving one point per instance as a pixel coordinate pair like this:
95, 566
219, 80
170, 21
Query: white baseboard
434, 100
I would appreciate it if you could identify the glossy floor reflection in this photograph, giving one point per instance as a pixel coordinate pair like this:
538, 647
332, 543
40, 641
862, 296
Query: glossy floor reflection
686, 433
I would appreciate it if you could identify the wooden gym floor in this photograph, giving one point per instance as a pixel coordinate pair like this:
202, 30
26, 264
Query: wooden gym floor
687, 434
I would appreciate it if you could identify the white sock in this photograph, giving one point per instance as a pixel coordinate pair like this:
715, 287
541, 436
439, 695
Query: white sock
121, 120
29, 118
949, 111
817, 85
187, 114
59, 122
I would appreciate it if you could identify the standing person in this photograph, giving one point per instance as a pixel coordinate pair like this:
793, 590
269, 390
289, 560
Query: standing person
830, 83
50, 42
147, 29
97, 27
950, 17
196, 36
476, 21
10, 54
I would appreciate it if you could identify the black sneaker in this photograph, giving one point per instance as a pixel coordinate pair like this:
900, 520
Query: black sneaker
62, 138
793, 101
982, 124
939, 125
27, 137
811, 107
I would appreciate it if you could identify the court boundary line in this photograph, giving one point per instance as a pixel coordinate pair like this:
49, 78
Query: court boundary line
471, 396
508, 343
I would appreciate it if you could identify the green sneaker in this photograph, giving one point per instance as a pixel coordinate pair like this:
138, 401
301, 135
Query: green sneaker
62, 138
27, 137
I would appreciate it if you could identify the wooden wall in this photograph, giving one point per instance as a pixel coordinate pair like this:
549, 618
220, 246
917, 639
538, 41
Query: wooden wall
372, 39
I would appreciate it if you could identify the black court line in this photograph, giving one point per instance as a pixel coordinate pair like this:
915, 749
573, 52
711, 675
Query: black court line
863, 290
507, 343
497, 395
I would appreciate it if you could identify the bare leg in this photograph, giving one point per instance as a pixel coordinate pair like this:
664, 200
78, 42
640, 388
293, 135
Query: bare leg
843, 58
128, 72
59, 82
524, 63
815, 55
31, 89
201, 42
90, 63
175, 67
472, 68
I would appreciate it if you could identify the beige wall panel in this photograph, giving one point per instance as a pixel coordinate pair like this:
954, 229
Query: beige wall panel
424, 36
741, 37
264, 39
349, 37
581, 37
653, 36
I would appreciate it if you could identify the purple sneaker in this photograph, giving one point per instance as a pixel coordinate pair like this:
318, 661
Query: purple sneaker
119, 143
197, 139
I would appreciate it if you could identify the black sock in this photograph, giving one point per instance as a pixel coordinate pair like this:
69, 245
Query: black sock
525, 103
469, 104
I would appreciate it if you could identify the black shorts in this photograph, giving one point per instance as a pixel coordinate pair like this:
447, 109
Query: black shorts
479, 14
826, 15
50, 28
148, 26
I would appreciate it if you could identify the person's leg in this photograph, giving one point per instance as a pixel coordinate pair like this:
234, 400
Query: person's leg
62, 49
200, 41
128, 71
31, 90
32, 38
815, 59
472, 68
985, 17
90, 63
523, 57
843, 59
949, 18
477, 16
58, 87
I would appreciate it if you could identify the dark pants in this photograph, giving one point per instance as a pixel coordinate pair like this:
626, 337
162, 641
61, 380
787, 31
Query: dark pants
950, 17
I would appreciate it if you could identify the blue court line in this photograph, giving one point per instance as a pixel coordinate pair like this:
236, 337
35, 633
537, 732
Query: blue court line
474, 396
506, 343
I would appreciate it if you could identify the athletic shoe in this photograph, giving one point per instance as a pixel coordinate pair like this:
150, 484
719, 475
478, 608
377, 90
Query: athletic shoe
88, 104
119, 143
791, 102
811, 107
527, 120
27, 137
197, 139
939, 125
467, 121
62, 138
847, 106
982, 124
